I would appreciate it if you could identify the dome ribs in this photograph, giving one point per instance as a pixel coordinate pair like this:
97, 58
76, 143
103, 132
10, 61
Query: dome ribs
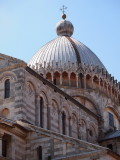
76, 51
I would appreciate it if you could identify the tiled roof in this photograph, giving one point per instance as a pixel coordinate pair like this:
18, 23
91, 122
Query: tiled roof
111, 135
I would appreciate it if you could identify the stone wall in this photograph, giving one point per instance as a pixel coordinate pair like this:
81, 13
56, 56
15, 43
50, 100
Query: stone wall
24, 104
56, 146
79, 124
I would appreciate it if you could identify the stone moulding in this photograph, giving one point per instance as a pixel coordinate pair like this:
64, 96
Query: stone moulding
13, 127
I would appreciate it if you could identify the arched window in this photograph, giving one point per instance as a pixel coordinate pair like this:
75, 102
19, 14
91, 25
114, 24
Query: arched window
63, 122
7, 88
41, 112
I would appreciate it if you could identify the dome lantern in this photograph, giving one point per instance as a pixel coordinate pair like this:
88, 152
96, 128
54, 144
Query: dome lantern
64, 27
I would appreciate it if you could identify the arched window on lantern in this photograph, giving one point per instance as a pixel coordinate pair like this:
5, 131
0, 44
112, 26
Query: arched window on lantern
41, 112
7, 88
63, 122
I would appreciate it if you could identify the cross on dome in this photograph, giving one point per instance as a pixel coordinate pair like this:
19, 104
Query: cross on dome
63, 9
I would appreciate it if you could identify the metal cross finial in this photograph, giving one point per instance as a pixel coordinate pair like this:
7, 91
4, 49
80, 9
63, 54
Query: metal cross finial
63, 9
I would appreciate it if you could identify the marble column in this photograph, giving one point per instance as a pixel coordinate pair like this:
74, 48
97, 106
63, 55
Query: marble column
107, 88
49, 116
92, 82
37, 108
111, 91
103, 86
70, 126
61, 79
77, 80
60, 121
52, 74
84, 81
45, 115
99, 84
69, 79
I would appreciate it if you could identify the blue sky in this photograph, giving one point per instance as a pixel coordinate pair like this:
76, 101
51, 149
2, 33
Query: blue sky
26, 25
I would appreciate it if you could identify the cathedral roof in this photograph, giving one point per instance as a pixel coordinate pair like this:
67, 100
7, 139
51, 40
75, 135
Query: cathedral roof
64, 50
111, 135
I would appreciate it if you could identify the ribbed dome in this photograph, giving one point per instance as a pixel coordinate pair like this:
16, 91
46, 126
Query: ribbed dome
64, 50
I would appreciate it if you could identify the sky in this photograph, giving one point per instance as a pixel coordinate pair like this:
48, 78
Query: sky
26, 25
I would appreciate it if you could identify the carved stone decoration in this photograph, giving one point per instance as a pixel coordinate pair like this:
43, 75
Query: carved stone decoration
29, 89
5, 112
54, 109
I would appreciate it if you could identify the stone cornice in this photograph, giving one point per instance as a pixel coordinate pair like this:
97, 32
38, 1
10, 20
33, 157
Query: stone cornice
52, 134
13, 127
92, 154
13, 66
96, 150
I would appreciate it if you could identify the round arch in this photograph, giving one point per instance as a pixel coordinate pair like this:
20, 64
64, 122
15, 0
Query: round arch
91, 99
8, 75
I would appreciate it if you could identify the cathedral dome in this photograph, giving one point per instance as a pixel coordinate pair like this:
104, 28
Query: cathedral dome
64, 50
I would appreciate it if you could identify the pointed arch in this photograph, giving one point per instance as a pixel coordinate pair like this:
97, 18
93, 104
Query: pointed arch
88, 81
65, 79
49, 76
109, 89
81, 80
57, 78
73, 79
96, 82
101, 83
